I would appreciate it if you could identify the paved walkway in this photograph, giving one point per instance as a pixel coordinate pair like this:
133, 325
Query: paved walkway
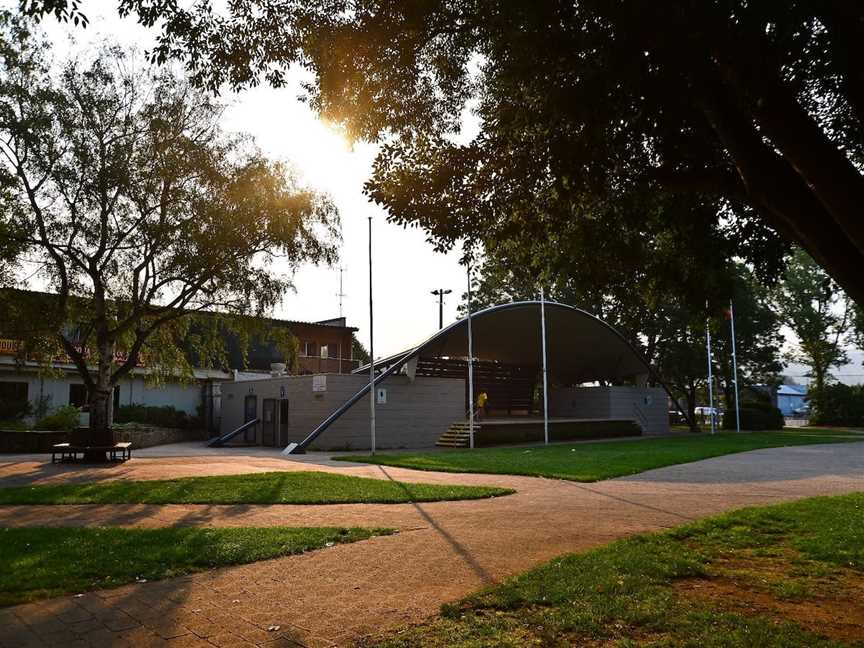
443, 551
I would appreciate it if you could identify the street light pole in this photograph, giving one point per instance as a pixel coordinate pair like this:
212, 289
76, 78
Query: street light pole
440, 295
371, 351
734, 366
545, 380
710, 376
470, 370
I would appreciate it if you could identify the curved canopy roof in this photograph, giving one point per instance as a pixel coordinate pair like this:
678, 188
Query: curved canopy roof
579, 346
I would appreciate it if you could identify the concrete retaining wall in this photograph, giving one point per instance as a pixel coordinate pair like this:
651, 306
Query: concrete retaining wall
644, 405
147, 437
38, 441
30, 441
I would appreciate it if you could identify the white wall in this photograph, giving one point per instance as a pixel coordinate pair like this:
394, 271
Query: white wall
182, 397
132, 391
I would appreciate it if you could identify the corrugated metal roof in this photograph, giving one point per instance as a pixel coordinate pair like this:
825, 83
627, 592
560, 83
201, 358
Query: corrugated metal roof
791, 390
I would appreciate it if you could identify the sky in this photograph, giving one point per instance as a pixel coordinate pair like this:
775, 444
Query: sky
405, 267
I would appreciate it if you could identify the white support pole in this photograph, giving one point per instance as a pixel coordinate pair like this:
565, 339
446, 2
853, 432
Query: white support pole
470, 369
371, 350
710, 376
545, 381
734, 367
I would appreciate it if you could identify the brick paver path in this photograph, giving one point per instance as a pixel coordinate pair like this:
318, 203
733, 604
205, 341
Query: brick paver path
443, 550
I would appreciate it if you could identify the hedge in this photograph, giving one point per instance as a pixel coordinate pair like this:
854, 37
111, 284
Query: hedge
63, 418
755, 416
840, 405
166, 416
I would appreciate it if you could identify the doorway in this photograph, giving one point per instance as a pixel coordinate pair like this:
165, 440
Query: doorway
283, 422
250, 413
268, 422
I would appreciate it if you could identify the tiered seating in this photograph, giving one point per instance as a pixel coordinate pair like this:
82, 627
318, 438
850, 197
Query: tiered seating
510, 388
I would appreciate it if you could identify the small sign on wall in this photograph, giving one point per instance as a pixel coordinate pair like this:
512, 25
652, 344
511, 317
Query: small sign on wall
319, 383
382, 396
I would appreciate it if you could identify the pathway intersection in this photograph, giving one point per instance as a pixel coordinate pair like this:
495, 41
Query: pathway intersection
443, 550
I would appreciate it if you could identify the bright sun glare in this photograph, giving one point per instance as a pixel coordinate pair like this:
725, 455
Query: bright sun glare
323, 156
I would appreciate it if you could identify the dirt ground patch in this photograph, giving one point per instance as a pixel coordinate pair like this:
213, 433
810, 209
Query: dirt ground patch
828, 602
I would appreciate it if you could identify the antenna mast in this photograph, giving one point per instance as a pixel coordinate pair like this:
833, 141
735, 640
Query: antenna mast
340, 294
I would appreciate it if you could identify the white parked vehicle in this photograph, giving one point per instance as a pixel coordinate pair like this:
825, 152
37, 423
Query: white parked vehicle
707, 411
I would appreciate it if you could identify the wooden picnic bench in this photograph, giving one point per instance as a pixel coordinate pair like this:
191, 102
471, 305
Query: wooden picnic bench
69, 452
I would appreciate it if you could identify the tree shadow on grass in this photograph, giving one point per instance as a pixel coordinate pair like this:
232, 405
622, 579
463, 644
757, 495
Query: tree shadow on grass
224, 602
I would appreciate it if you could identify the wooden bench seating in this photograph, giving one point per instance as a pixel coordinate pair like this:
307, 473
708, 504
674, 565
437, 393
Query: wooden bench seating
69, 452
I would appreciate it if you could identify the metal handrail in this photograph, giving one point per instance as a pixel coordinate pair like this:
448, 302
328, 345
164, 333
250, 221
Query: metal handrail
299, 448
220, 441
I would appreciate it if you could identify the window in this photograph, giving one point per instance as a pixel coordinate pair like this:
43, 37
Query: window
79, 398
78, 395
13, 391
309, 349
324, 351
333, 350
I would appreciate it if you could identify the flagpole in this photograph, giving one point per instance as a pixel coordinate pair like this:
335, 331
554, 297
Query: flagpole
470, 369
371, 350
545, 383
710, 376
734, 367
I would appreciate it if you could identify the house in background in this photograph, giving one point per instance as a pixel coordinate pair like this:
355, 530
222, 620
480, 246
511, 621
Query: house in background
324, 347
790, 398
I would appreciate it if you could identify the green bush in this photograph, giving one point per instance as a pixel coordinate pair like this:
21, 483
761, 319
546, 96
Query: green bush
841, 405
166, 416
63, 418
14, 409
755, 415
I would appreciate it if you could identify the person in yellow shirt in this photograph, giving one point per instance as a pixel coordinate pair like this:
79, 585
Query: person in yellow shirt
482, 398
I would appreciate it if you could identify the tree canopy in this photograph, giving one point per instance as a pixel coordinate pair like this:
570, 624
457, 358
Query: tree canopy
659, 294
821, 316
755, 107
138, 210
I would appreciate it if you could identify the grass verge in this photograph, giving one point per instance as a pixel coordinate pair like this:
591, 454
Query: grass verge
38, 563
790, 575
588, 462
255, 488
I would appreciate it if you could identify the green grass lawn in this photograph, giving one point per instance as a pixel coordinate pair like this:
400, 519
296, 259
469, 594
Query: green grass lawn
781, 576
41, 562
255, 488
588, 462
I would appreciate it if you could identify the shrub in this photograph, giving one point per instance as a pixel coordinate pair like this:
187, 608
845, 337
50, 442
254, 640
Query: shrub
841, 405
166, 416
14, 409
63, 418
755, 415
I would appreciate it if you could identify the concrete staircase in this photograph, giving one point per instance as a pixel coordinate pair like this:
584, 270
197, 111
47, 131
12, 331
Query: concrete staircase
457, 435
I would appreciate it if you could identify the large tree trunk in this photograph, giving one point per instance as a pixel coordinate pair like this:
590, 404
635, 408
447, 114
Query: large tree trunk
102, 406
101, 416
818, 388
690, 395
781, 195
